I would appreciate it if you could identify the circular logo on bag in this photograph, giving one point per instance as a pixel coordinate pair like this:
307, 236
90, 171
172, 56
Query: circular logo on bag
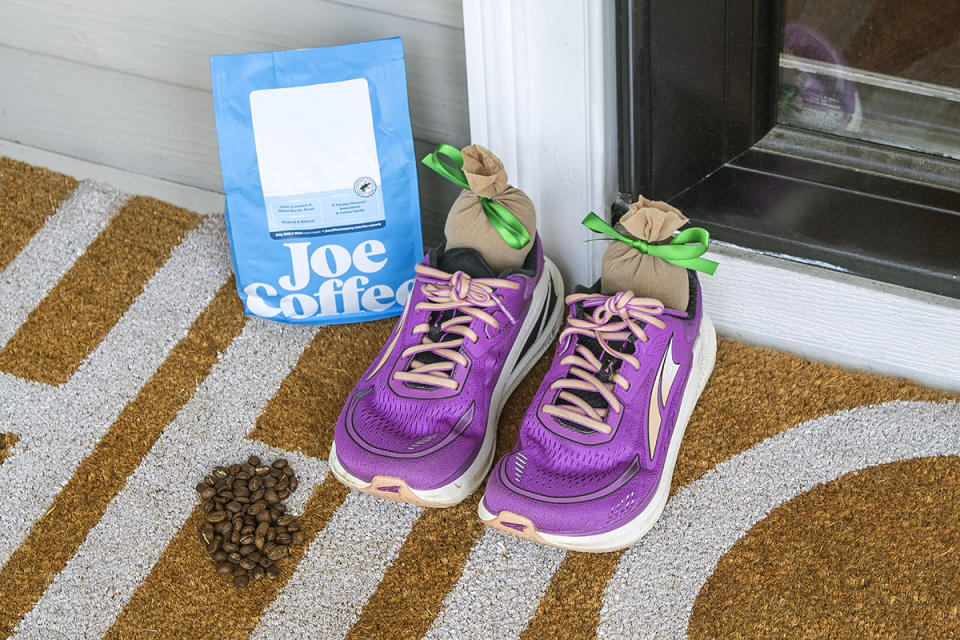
365, 187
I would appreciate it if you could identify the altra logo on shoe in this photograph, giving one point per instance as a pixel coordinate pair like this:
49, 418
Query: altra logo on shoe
659, 393
336, 291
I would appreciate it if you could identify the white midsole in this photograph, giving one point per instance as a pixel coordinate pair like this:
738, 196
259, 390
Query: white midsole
475, 474
704, 357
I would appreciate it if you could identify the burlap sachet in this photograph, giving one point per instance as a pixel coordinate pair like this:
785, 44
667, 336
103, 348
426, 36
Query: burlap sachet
626, 269
467, 224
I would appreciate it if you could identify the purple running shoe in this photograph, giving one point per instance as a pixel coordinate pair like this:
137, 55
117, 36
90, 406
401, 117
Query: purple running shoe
420, 426
595, 453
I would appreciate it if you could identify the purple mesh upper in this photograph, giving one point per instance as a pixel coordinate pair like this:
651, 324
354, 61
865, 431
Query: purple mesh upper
573, 483
428, 436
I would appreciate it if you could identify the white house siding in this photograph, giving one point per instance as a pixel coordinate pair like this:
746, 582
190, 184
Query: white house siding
127, 83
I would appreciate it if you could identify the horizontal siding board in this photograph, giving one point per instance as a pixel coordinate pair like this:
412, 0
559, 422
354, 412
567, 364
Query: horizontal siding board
171, 41
140, 125
448, 12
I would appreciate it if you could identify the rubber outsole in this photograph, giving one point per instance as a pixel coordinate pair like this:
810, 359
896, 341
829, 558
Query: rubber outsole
397, 489
705, 354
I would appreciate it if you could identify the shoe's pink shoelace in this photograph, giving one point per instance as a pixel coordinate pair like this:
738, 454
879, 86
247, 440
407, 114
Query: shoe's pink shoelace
445, 292
614, 318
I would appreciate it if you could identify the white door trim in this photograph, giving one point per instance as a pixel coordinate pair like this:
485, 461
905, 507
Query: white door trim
542, 94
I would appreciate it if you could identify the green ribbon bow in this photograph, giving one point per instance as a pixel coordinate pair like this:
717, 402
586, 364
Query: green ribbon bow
510, 229
684, 249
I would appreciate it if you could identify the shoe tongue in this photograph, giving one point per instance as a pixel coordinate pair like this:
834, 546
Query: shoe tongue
465, 259
592, 398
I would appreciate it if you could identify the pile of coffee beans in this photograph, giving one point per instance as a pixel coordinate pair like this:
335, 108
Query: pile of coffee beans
246, 528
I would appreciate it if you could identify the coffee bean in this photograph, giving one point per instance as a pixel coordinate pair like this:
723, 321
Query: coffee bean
246, 528
277, 552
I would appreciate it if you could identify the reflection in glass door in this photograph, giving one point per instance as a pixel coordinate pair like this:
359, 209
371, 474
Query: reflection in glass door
884, 71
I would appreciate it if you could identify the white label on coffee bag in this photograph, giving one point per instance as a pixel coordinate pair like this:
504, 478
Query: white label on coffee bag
317, 155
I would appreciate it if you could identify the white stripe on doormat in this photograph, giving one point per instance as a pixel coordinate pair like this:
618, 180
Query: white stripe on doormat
340, 571
652, 593
498, 590
120, 551
59, 426
52, 251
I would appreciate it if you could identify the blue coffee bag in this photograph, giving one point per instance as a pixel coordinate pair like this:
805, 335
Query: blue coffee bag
316, 152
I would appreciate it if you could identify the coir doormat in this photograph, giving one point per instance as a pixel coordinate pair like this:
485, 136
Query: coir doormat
808, 500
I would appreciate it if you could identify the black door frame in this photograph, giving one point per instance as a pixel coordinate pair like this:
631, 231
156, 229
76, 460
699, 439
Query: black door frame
697, 87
